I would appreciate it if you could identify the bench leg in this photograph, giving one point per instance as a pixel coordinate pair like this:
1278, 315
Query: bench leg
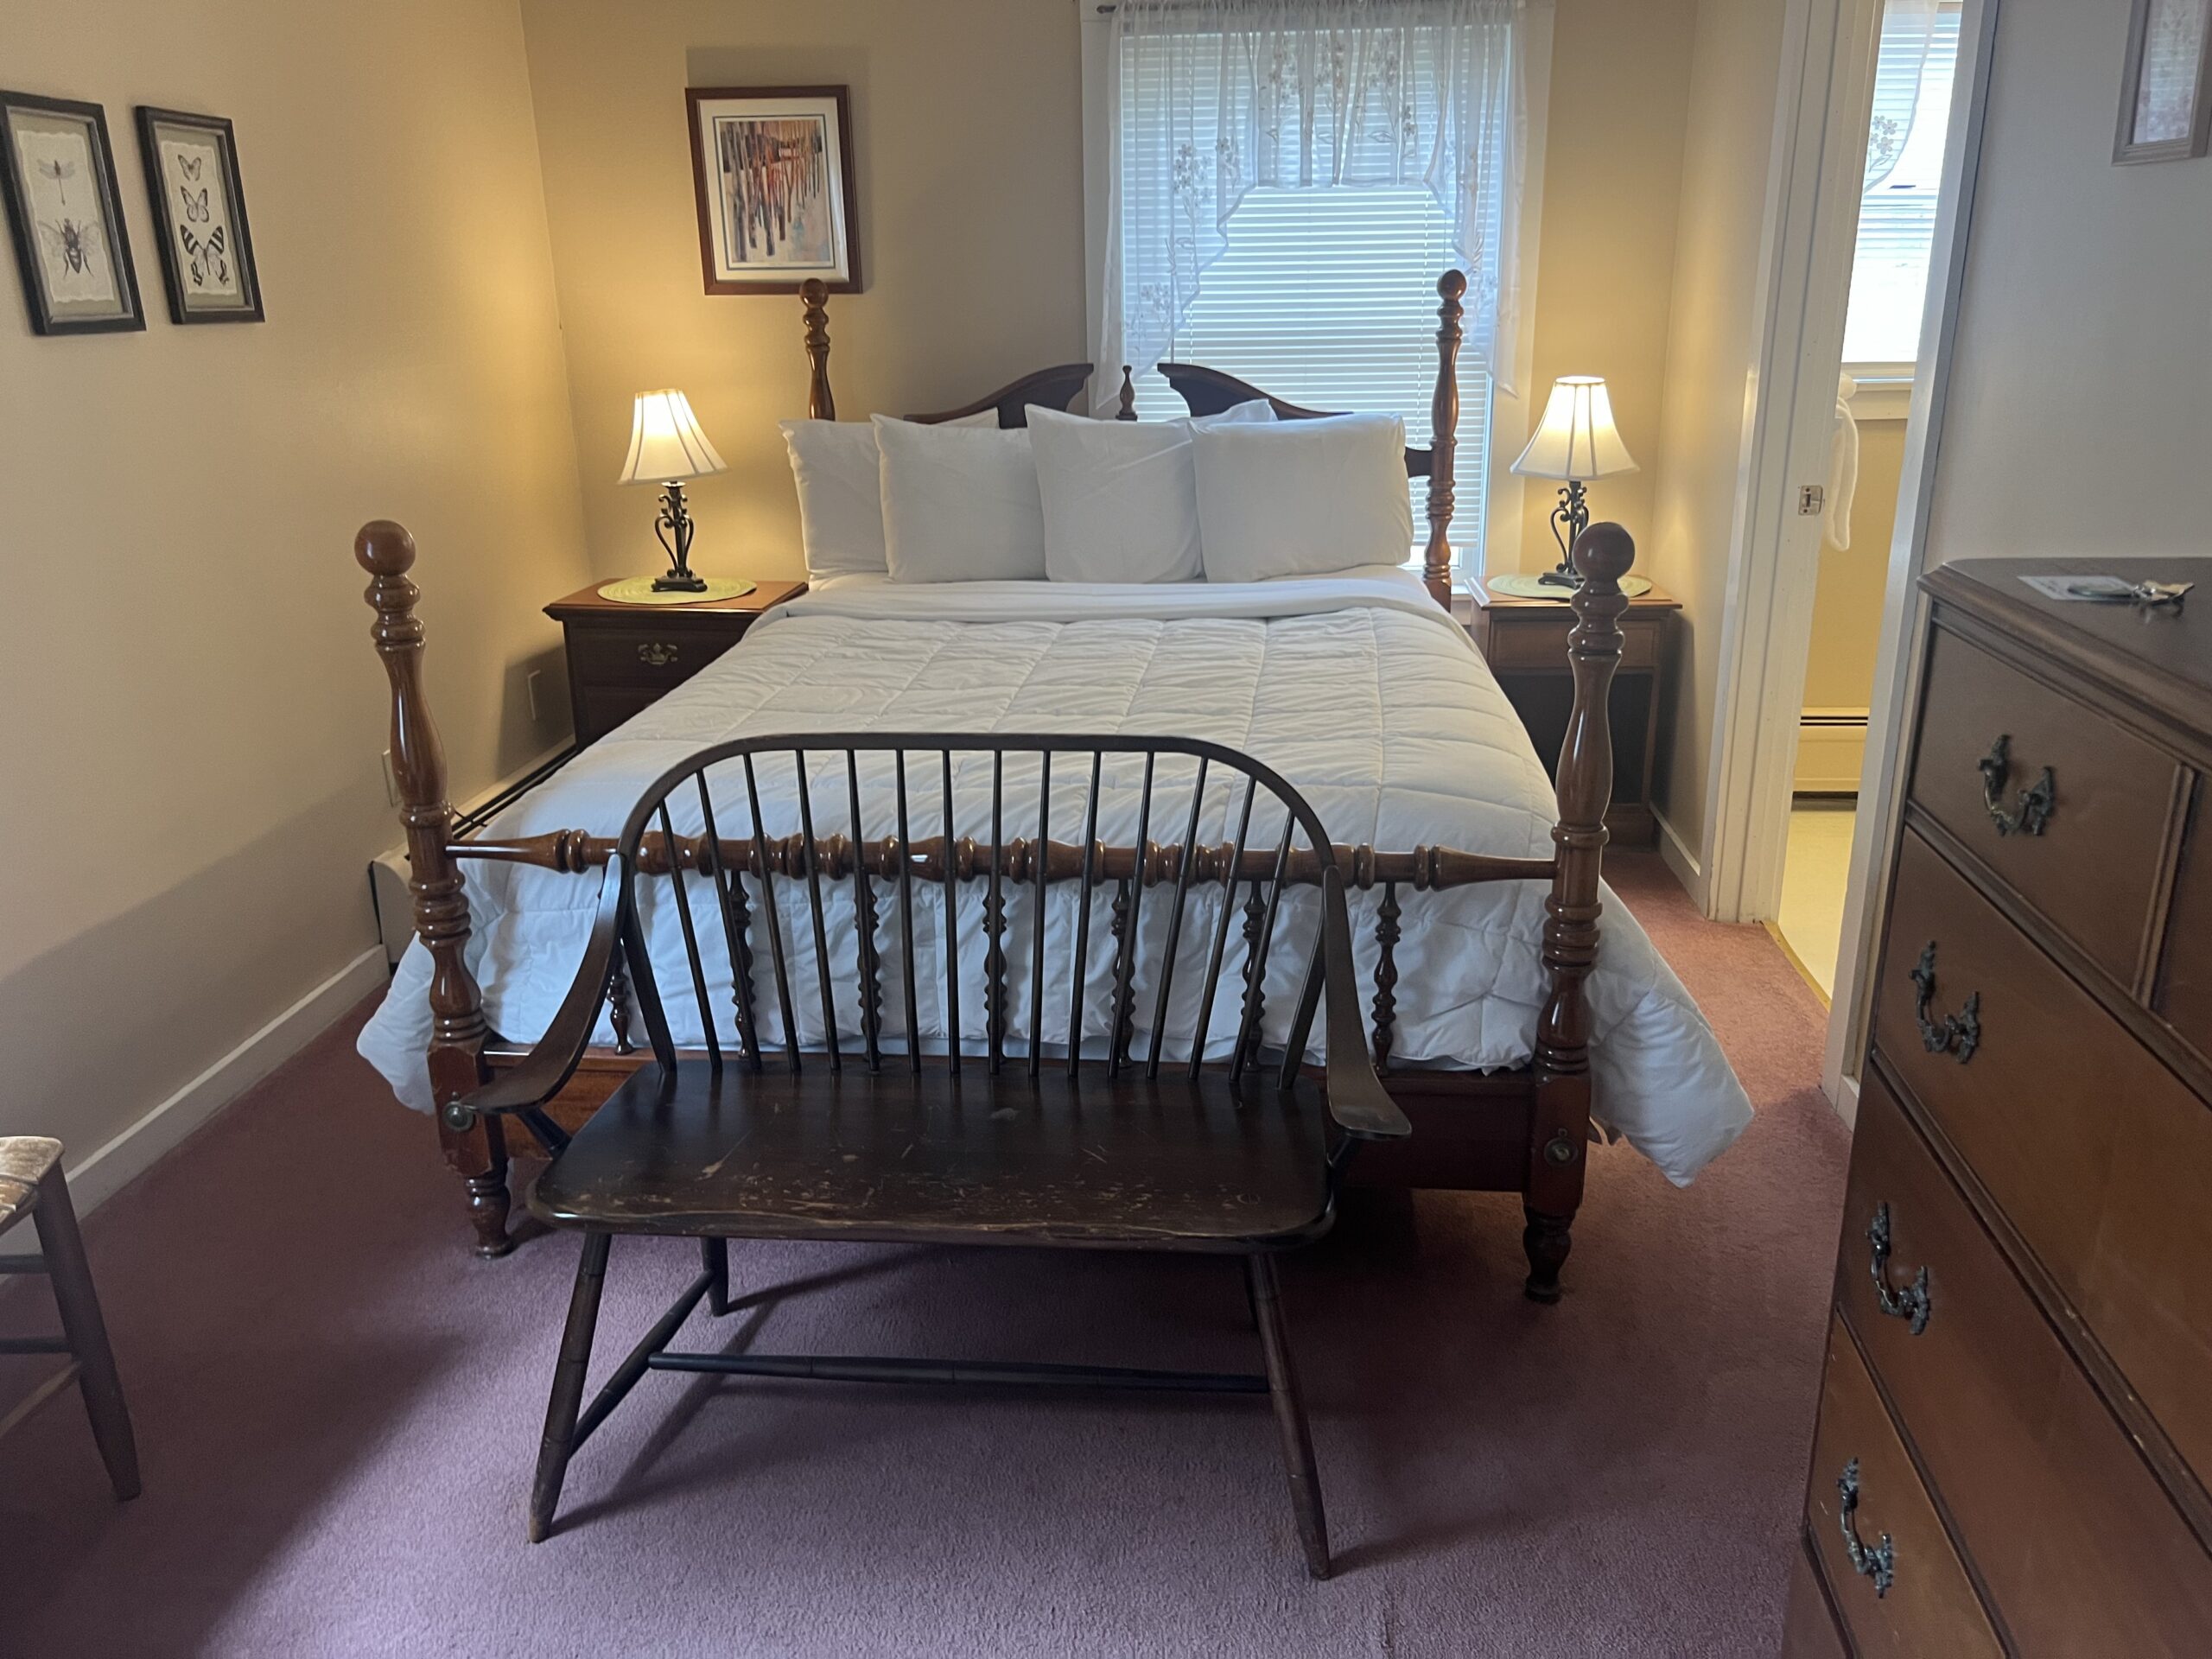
64, 1249
1290, 1414
568, 1386
713, 1256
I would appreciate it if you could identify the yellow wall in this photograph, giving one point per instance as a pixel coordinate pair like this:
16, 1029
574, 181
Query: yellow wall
194, 715
1847, 600
969, 144
1711, 355
974, 248
1620, 92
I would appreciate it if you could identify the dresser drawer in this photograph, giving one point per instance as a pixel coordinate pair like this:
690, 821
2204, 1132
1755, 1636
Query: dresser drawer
662, 657
2092, 869
1915, 1599
2099, 1155
2080, 1548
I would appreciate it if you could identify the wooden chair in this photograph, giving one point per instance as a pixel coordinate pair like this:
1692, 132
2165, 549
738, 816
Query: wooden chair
31, 1185
1198, 1141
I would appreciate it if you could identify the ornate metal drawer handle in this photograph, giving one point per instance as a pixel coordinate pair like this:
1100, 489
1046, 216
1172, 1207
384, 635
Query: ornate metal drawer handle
2036, 800
1880, 1563
1910, 1303
1957, 1033
658, 655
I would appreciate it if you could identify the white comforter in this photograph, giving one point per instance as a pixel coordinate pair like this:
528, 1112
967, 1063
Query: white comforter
1357, 689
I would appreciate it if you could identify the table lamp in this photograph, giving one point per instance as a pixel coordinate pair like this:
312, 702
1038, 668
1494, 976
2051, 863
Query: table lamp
1575, 441
667, 447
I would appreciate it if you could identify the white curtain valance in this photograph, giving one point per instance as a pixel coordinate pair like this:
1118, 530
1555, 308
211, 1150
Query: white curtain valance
1215, 98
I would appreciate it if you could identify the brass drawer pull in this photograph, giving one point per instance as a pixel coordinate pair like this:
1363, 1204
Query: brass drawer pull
658, 655
2036, 800
1880, 1563
1957, 1033
1911, 1303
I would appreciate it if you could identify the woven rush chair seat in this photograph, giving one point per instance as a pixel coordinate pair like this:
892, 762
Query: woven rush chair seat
24, 1161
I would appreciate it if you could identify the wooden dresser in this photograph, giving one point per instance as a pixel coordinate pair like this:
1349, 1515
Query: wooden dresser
2015, 1434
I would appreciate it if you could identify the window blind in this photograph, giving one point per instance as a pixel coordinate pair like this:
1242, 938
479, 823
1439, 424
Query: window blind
1897, 215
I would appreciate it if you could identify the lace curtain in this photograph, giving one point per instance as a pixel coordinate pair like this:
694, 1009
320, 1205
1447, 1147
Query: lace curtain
1908, 29
1213, 99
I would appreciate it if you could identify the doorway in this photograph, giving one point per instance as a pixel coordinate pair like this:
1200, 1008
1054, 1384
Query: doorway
1915, 63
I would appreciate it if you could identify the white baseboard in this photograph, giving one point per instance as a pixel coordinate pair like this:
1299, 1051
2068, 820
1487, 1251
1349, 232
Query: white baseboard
108, 1168
1846, 1103
1681, 860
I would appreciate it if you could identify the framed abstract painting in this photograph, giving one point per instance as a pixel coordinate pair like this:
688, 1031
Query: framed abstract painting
772, 168
57, 171
191, 173
2165, 94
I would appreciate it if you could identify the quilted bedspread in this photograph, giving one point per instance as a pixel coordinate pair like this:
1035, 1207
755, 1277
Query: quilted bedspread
1356, 689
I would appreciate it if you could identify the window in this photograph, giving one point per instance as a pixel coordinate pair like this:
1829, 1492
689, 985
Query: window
1287, 186
1328, 298
1897, 215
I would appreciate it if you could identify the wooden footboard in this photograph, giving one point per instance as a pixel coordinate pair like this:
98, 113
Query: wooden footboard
1524, 1131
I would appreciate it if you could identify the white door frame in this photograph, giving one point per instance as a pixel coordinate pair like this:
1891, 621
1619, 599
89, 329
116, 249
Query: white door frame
1813, 186
1897, 680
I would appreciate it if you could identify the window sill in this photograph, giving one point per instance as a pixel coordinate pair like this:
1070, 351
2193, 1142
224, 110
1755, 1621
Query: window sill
1883, 393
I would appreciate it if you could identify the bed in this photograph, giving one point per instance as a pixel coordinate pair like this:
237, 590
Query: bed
1503, 1032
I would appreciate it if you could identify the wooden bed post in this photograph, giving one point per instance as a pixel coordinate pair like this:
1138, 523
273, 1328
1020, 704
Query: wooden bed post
814, 307
474, 1146
1444, 444
1560, 1139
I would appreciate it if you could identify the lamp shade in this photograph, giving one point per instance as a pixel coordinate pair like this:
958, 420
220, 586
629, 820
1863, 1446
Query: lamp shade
665, 443
1577, 438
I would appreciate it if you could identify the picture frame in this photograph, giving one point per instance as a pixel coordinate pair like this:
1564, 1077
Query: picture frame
64, 213
191, 175
2165, 95
773, 175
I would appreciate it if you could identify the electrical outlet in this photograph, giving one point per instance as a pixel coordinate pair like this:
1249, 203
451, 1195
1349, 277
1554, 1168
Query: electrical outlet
530, 692
391, 780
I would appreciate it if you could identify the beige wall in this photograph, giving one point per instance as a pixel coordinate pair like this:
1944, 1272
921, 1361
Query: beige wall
1620, 92
1847, 599
976, 274
195, 713
2080, 418
1712, 352
971, 245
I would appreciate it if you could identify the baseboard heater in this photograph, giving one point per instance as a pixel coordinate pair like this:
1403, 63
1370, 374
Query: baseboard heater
1831, 751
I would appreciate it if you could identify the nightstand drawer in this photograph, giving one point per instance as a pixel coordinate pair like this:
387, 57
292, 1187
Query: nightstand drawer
659, 658
2084, 804
601, 708
1537, 640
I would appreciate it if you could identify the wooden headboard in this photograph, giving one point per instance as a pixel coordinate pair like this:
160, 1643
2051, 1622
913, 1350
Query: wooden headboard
1203, 391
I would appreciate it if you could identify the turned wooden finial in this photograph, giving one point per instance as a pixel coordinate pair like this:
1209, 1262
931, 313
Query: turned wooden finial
813, 311
384, 548
1444, 444
1127, 411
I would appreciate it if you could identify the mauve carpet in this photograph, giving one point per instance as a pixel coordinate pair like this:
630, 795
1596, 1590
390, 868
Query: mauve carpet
337, 1408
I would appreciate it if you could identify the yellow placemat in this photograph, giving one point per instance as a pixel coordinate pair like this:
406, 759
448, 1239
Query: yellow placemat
638, 590
1519, 587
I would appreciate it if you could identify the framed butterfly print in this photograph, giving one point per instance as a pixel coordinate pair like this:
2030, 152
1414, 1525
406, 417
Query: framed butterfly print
191, 169
58, 174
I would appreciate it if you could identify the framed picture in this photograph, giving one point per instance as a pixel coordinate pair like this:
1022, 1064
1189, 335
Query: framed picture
58, 173
2165, 93
773, 170
192, 172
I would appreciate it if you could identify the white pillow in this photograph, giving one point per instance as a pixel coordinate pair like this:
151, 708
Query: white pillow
960, 504
1257, 410
1121, 499
840, 499
1302, 498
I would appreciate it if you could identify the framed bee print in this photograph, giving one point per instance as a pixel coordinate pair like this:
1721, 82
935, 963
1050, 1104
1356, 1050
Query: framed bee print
57, 171
192, 170
773, 168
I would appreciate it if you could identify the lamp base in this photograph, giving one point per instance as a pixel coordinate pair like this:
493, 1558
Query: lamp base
680, 582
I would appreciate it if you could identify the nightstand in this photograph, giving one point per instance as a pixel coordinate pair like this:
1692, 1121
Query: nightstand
624, 658
1524, 642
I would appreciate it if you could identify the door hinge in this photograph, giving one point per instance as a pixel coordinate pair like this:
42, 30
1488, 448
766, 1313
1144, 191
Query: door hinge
1812, 501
